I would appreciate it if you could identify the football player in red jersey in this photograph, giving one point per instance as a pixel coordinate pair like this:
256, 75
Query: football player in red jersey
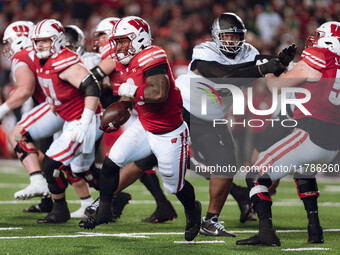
159, 129
75, 98
315, 140
142, 169
18, 49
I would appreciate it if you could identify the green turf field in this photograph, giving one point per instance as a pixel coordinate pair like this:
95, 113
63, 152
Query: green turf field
20, 234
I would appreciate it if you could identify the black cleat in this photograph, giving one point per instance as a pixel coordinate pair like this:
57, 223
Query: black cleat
253, 240
315, 234
163, 213
90, 210
59, 214
245, 210
118, 204
193, 222
266, 237
103, 215
45, 206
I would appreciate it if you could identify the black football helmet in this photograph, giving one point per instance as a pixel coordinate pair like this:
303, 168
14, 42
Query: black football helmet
75, 39
228, 23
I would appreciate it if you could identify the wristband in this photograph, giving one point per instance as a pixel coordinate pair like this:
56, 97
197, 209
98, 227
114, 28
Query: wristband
86, 117
140, 93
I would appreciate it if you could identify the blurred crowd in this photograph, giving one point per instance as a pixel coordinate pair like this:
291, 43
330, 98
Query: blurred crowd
177, 25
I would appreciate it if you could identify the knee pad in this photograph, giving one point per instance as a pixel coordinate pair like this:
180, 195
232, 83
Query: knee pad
23, 139
91, 176
70, 176
306, 187
57, 183
258, 186
109, 166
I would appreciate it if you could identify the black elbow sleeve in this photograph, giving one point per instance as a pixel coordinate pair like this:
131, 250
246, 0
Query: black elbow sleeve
98, 73
89, 85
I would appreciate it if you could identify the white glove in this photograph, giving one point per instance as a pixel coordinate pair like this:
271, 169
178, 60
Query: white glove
79, 132
4, 109
127, 90
82, 125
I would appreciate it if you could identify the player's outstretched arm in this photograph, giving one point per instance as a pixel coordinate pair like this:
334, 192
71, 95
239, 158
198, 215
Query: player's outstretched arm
299, 74
25, 81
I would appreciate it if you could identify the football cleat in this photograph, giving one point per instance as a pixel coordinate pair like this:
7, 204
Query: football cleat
315, 234
118, 204
59, 214
90, 210
37, 189
163, 213
253, 240
101, 216
265, 237
213, 227
45, 205
193, 221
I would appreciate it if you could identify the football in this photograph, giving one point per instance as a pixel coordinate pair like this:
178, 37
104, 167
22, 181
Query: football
115, 115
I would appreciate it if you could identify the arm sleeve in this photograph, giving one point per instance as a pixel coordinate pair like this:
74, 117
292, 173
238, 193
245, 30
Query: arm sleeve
209, 69
155, 70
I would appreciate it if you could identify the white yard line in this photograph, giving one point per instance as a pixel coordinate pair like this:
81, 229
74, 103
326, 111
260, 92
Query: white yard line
306, 249
198, 242
9, 228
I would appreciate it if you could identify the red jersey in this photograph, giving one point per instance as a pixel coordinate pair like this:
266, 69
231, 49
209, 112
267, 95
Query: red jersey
155, 117
68, 101
26, 57
325, 94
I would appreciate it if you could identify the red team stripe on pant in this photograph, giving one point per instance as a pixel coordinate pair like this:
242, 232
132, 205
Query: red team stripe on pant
68, 151
277, 149
34, 116
182, 161
291, 144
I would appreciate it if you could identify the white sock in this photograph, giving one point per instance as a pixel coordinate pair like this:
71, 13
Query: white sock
86, 202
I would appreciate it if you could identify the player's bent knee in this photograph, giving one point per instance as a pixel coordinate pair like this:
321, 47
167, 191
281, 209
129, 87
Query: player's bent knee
24, 145
118, 158
57, 183
306, 185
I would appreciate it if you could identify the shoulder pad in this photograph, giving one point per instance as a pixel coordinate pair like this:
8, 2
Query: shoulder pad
151, 56
315, 57
65, 59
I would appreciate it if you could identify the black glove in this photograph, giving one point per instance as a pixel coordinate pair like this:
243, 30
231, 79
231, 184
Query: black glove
287, 54
273, 66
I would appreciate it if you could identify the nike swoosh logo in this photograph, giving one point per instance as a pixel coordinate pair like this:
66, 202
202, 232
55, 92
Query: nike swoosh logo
214, 233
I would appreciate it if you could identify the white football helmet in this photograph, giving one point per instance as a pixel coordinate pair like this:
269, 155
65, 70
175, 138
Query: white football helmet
326, 36
49, 29
104, 27
17, 36
137, 31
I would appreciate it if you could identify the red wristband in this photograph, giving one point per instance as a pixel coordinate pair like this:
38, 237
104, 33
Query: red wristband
140, 94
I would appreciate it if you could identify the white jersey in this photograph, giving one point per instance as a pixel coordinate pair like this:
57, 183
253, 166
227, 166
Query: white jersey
208, 51
91, 59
